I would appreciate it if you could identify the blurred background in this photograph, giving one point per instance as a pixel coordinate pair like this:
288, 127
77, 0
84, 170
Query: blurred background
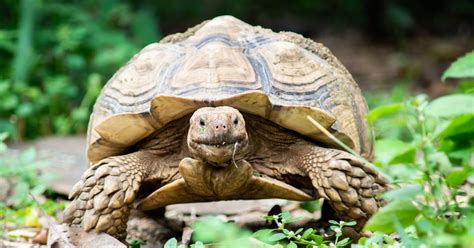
56, 55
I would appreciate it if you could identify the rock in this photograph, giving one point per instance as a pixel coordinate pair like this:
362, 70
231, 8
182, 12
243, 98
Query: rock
62, 236
41, 237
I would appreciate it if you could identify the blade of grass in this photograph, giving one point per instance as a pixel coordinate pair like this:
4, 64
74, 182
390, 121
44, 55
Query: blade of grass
344, 146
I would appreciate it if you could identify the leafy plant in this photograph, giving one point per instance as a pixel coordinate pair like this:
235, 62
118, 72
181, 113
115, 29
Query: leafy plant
212, 230
433, 167
23, 172
461, 68
305, 237
53, 59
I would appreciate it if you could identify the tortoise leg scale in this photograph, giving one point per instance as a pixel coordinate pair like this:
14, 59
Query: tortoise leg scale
349, 184
102, 199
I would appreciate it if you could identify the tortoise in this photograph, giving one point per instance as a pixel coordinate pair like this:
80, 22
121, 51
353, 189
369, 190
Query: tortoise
224, 111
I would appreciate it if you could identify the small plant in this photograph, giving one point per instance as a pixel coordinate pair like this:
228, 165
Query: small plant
307, 238
212, 230
20, 210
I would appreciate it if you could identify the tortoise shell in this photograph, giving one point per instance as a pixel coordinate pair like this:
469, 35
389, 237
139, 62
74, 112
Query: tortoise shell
282, 77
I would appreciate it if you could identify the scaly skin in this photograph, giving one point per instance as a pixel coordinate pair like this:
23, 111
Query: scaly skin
105, 193
350, 185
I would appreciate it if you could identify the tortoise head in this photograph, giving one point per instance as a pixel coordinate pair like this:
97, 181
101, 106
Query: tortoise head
217, 135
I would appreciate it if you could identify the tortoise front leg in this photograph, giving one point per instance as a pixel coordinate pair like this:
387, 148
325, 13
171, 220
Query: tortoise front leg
349, 184
102, 199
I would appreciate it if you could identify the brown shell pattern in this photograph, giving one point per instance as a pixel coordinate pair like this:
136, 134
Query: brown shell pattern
224, 57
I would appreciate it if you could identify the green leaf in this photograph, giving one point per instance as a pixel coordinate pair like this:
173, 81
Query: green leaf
291, 220
285, 215
406, 193
458, 125
171, 243
311, 206
291, 245
276, 237
333, 222
343, 242
442, 160
384, 110
317, 238
262, 233
392, 151
451, 105
456, 177
135, 244
198, 244
463, 154
350, 223
384, 220
307, 233
463, 67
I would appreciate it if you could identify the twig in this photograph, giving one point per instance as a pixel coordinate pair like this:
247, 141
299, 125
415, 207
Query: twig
344, 146
333, 138
233, 154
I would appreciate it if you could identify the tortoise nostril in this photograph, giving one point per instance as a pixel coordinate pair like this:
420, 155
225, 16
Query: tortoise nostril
221, 127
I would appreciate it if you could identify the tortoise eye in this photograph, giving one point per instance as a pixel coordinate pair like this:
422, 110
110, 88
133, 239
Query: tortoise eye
202, 123
236, 121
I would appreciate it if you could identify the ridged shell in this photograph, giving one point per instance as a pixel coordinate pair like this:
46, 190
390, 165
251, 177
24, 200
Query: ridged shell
279, 76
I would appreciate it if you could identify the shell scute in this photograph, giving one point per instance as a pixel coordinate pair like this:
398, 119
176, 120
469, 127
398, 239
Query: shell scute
282, 77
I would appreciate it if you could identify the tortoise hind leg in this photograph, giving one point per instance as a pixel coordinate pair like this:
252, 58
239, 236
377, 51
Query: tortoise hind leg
102, 199
348, 184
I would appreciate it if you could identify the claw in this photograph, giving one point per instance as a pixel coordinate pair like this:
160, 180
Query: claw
129, 196
104, 222
111, 185
90, 219
102, 171
101, 201
76, 189
339, 181
117, 200
69, 213
369, 205
340, 165
349, 196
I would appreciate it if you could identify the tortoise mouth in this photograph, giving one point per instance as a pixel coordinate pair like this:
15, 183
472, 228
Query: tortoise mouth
220, 141
219, 153
223, 145
219, 144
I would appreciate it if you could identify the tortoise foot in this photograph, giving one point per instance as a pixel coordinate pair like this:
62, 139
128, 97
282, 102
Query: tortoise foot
102, 198
349, 184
